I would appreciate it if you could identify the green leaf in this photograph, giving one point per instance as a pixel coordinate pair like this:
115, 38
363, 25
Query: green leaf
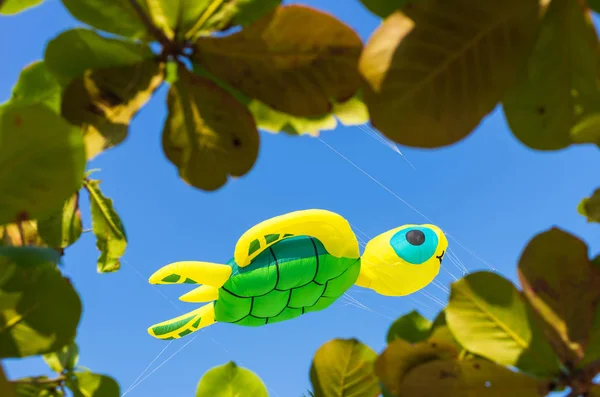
541, 115
29, 256
64, 359
440, 332
284, 62
273, 121
590, 207
171, 74
111, 238
351, 112
207, 16
45, 313
37, 85
383, 8
62, 228
74, 51
112, 16
434, 71
10, 7
87, 384
164, 14
401, 357
42, 161
230, 380
594, 5
411, 327
488, 316
344, 368
208, 134
477, 377
563, 286
104, 101
592, 351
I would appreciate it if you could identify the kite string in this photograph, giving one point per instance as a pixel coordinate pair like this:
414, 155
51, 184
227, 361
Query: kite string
363, 244
160, 365
404, 201
134, 385
147, 368
382, 139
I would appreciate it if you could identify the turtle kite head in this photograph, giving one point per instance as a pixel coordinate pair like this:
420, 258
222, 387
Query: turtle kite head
403, 260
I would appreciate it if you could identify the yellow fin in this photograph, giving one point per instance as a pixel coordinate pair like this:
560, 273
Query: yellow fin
192, 272
331, 229
204, 293
185, 324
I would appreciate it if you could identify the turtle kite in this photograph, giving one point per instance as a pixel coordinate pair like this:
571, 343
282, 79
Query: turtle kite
298, 263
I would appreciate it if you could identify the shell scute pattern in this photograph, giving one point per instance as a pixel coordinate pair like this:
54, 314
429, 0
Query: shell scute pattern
293, 276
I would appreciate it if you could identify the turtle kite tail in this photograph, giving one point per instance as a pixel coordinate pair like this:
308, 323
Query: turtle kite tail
210, 275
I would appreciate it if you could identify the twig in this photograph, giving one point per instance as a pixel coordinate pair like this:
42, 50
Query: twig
21, 232
38, 381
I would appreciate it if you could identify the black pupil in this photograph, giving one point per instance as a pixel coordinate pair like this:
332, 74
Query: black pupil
415, 237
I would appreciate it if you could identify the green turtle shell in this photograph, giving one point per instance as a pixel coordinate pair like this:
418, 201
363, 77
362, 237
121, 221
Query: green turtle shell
292, 277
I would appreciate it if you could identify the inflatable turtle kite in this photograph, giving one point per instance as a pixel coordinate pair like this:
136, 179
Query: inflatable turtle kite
298, 263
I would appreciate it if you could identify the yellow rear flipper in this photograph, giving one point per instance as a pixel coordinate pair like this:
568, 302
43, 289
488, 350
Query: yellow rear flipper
331, 229
185, 324
204, 293
192, 272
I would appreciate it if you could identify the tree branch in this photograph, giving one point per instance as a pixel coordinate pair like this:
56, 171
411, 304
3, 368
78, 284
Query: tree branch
5, 386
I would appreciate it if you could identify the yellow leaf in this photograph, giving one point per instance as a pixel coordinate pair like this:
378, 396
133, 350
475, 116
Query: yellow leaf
401, 357
295, 59
104, 101
437, 68
344, 368
11, 234
563, 286
208, 134
594, 391
473, 378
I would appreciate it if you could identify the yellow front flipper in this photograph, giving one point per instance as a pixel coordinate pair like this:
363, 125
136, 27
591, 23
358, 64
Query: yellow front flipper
185, 324
331, 229
204, 293
192, 272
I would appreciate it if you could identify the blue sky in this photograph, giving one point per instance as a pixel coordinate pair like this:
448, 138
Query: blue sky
489, 192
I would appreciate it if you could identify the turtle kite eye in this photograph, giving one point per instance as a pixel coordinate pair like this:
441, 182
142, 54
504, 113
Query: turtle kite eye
415, 237
415, 245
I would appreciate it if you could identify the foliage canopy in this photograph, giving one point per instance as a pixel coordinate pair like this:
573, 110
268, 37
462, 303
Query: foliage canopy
435, 67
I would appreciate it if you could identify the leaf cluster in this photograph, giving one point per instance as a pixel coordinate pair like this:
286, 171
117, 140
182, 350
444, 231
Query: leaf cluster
427, 77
